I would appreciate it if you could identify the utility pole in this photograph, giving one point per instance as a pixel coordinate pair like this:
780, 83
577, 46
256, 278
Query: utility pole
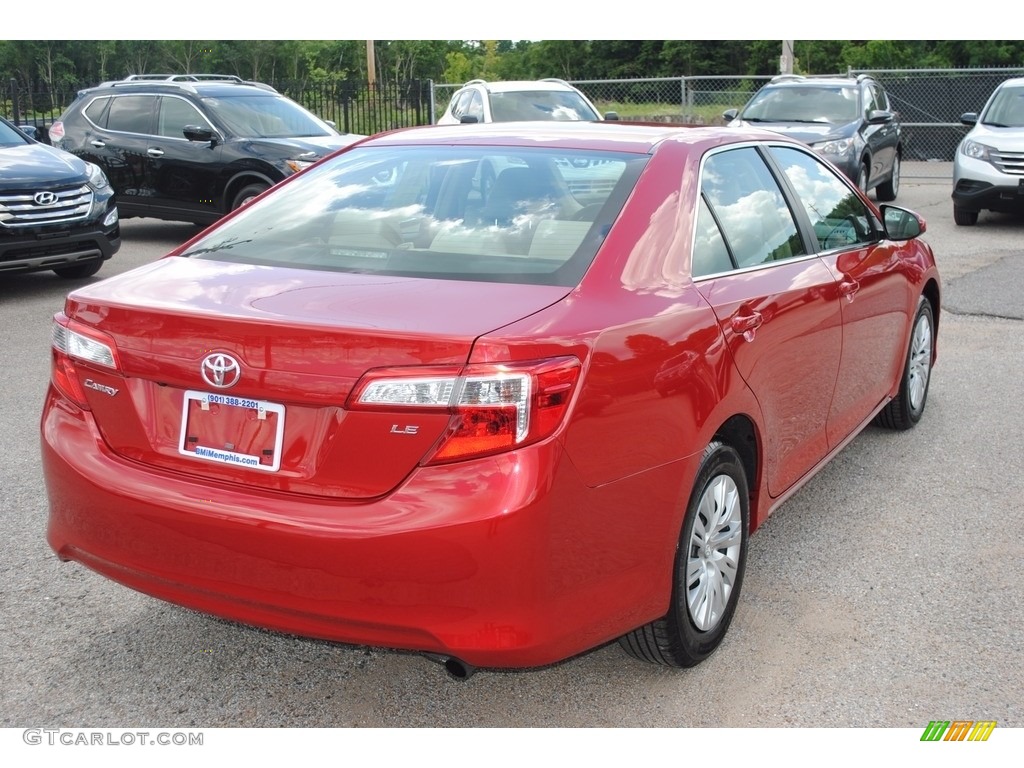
786, 59
371, 66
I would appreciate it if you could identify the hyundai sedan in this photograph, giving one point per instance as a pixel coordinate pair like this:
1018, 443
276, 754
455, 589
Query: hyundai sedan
387, 406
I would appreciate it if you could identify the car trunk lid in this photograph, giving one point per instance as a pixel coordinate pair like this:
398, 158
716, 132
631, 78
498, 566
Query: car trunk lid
240, 373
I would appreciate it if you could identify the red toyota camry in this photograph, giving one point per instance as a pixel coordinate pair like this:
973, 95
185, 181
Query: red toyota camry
494, 393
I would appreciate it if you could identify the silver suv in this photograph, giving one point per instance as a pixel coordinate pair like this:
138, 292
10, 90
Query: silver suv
988, 169
479, 101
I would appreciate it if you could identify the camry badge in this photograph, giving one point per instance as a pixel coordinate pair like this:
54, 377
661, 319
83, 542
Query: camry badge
220, 370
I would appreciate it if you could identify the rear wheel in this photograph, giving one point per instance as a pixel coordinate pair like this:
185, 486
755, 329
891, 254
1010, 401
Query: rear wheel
905, 410
964, 218
886, 192
708, 569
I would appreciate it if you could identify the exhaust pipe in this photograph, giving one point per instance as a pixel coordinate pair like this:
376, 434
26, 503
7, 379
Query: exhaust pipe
456, 668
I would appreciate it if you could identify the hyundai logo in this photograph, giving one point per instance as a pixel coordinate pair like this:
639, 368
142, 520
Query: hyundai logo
45, 198
220, 370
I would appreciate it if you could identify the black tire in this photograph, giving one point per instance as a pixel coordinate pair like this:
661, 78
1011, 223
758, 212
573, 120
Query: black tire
247, 193
886, 193
77, 271
905, 410
964, 218
687, 634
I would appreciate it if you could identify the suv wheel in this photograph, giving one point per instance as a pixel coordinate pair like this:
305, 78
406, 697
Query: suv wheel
247, 193
886, 192
964, 218
862, 178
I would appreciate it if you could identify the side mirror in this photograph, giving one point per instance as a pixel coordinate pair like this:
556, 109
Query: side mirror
196, 133
469, 119
969, 118
730, 114
611, 115
901, 224
30, 130
879, 116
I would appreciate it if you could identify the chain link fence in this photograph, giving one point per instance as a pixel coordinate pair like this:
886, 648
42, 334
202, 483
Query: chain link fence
929, 103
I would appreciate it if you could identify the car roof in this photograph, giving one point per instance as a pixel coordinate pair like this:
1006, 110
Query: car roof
1013, 82
639, 138
199, 88
505, 86
840, 82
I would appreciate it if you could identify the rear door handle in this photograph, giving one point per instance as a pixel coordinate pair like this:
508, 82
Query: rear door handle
154, 152
98, 144
849, 287
746, 324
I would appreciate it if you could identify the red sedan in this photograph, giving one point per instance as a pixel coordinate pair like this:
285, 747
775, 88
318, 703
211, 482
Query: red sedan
497, 394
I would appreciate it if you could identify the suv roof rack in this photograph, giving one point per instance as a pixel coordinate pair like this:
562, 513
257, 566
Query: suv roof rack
797, 78
185, 81
186, 78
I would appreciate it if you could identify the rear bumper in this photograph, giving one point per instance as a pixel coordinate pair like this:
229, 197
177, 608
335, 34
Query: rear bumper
508, 561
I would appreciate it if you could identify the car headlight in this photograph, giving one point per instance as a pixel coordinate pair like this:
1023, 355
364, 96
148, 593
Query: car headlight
976, 150
97, 178
301, 162
835, 147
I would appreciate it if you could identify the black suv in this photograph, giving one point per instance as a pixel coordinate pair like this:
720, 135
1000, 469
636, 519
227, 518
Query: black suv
56, 211
192, 147
847, 120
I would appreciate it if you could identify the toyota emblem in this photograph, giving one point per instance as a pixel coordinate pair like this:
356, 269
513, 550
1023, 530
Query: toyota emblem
220, 370
45, 198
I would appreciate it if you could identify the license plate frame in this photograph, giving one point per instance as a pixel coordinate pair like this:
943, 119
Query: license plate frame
262, 410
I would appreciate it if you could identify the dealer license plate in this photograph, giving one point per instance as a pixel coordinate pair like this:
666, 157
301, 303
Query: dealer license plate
237, 431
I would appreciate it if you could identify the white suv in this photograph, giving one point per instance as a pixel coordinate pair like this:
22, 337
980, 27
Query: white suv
988, 170
479, 101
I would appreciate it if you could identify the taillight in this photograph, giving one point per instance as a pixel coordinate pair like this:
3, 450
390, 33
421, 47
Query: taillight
75, 343
493, 407
56, 132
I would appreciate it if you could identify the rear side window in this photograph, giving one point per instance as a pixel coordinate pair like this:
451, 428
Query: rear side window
96, 112
756, 222
533, 216
131, 114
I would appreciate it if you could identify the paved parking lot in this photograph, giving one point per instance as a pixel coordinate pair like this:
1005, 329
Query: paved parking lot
886, 593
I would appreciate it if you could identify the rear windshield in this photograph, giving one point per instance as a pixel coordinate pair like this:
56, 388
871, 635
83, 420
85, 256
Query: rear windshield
533, 216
